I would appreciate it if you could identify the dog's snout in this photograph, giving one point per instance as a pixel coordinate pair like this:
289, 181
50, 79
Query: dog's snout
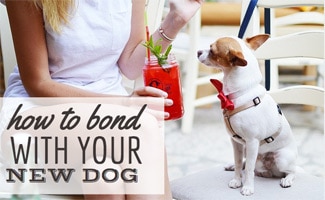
199, 53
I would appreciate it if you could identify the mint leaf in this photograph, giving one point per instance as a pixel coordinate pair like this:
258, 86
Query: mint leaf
156, 50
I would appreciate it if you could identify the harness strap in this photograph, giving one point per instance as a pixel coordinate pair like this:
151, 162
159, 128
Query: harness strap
254, 102
271, 138
228, 113
234, 134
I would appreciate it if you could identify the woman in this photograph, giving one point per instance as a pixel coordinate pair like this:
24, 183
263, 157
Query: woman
79, 48
58, 44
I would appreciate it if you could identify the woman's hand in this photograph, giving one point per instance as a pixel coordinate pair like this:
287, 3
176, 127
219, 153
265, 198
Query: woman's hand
154, 98
148, 91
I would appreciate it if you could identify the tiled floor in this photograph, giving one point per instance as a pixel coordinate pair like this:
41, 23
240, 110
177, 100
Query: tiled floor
209, 145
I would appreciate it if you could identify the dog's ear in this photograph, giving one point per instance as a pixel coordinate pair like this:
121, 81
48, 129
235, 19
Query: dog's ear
236, 58
257, 40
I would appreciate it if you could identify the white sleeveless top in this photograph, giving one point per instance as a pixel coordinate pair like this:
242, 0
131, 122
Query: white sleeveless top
86, 52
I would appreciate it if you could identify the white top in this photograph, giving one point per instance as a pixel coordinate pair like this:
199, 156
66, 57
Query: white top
85, 54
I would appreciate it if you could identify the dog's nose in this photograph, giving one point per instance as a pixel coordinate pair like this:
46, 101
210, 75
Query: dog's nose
199, 53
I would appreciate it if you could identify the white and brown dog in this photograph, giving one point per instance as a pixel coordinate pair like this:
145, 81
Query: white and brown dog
258, 129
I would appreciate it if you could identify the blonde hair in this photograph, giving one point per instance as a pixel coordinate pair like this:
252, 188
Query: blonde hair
56, 12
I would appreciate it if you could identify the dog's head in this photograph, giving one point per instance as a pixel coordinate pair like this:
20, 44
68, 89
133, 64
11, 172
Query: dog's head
229, 51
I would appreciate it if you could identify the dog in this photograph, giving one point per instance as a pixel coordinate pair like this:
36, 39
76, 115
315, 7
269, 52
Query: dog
259, 131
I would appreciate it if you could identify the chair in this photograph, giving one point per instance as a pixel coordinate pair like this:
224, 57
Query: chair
307, 51
213, 183
284, 25
309, 46
185, 48
307, 69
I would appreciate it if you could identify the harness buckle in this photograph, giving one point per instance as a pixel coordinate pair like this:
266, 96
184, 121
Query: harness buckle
256, 101
269, 139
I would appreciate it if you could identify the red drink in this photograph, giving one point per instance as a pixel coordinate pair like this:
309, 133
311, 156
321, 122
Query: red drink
167, 78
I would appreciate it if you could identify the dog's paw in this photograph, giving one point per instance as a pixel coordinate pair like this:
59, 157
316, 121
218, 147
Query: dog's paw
247, 190
235, 183
286, 182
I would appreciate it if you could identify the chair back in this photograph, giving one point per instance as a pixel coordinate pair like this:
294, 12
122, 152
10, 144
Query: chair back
254, 24
304, 44
301, 44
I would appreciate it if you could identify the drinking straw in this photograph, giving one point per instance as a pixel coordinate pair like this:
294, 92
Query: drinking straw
147, 33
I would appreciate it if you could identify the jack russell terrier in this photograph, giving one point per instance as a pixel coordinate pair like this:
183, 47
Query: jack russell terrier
258, 129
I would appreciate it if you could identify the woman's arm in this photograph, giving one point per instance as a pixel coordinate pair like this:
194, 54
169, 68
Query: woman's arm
132, 58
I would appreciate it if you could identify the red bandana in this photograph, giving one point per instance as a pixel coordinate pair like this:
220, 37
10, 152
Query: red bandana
226, 103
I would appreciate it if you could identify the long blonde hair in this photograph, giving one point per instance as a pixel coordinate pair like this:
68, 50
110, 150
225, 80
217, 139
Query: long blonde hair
56, 12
